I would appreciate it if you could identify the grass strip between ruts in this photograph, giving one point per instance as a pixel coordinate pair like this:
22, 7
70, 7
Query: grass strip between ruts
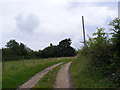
49, 79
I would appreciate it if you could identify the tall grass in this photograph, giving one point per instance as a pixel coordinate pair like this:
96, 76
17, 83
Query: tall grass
16, 73
83, 77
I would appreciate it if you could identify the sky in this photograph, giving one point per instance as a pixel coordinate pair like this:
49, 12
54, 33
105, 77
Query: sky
37, 23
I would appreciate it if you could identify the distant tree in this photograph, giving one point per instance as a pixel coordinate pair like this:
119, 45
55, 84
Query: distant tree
30, 53
15, 50
7, 53
14, 46
23, 50
62, 50
51, 44
38, 54
65, 43
51, 51
65, 49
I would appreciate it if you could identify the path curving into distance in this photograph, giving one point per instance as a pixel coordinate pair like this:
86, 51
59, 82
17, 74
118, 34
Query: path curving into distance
63, 79
35, 79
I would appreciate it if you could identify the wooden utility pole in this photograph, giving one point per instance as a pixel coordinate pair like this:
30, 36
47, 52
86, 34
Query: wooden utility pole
119, 9
83, 31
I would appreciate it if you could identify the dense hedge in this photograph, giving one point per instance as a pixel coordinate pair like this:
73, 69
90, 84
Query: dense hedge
104, 53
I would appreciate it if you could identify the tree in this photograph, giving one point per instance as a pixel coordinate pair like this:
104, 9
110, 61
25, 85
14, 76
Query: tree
15, 50
98, 48
100, 37
115, 66
38, 54
23, 50
65, 49
116, 34
14, 46
65, 43
105, 55
50, 51
62, 50
51, 44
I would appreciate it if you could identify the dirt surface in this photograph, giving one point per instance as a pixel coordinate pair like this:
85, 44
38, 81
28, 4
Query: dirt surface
34, 80
63, 79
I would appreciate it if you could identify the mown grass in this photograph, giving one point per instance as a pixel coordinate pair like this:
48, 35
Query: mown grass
16, 73
82, 78
49, 79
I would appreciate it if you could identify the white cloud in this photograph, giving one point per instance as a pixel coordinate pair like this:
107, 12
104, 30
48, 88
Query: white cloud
28, 24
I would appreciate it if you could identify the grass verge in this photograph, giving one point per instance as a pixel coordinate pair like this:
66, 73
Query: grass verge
81, 75
16, 73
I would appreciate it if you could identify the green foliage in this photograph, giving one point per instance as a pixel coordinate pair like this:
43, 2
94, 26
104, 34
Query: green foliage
23, 50
62, 50
100, 37
98, 49
13, 46
65, 49
115, 66
51, 51
104, 53
81, 73
15, 51
65, 43
116, 35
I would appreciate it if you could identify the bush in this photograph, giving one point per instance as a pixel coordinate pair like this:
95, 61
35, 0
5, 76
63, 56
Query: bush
104, 53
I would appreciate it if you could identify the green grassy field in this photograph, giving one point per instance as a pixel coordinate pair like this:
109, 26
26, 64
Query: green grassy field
81, 76
16, 73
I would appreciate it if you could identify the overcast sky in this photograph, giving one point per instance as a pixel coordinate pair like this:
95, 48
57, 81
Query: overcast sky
37, 23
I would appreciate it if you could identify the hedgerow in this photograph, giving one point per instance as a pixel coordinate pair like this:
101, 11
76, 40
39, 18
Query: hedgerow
104, 53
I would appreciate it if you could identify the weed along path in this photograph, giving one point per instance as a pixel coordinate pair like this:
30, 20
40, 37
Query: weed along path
63, 79
34, 80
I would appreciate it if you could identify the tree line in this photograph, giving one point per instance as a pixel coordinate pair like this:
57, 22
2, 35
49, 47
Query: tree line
15, 50
103, 50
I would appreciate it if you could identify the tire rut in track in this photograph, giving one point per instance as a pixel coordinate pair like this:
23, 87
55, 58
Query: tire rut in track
34, 80
63, 79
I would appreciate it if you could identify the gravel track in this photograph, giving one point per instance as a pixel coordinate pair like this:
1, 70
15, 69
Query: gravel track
34, 80
63, 79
